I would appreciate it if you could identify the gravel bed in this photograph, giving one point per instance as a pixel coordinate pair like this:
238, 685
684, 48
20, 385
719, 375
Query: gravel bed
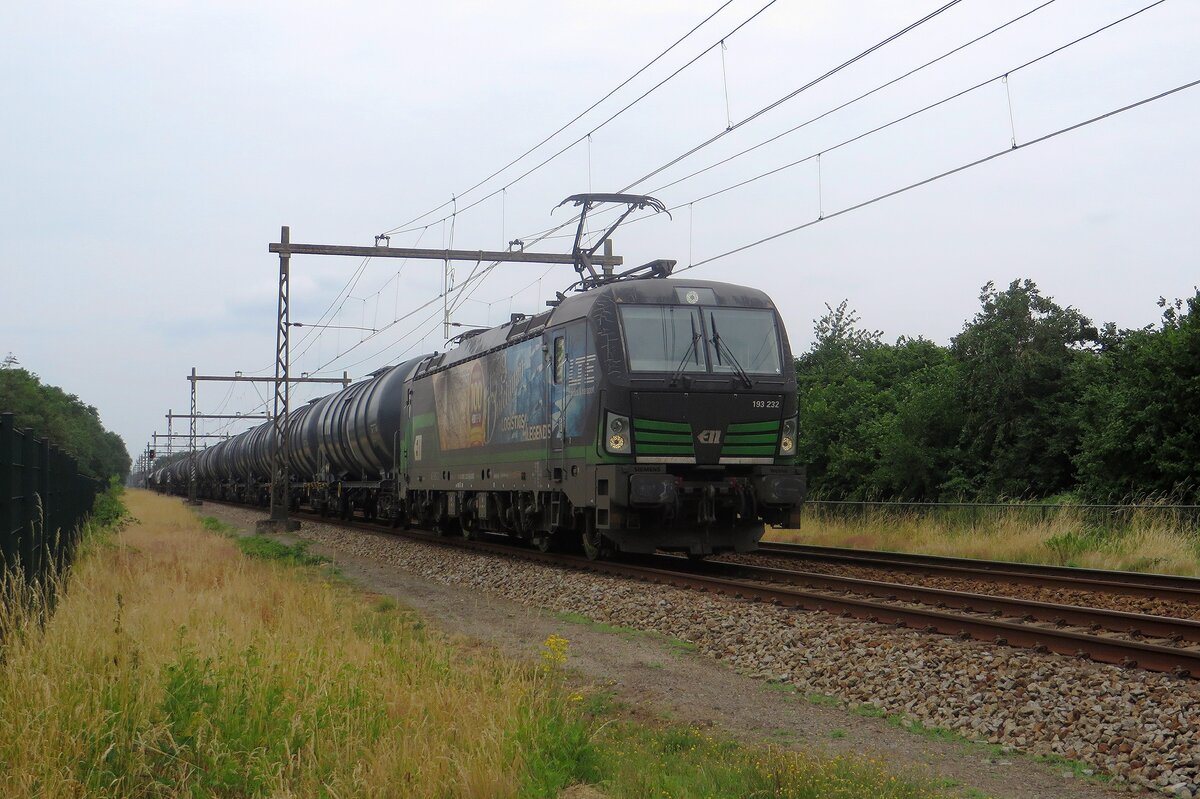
1060, 596
1142, 728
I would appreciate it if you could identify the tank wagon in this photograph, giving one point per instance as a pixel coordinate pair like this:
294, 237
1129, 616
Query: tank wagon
639, 415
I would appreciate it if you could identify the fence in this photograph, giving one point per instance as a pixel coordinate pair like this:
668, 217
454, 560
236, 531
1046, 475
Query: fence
972, 514
43, 499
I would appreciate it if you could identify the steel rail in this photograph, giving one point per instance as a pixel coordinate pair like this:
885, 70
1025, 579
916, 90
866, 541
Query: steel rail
1157, 586
1120, 652
1152, 626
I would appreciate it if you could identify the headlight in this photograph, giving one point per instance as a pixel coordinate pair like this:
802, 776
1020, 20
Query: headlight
615, 440
787, 442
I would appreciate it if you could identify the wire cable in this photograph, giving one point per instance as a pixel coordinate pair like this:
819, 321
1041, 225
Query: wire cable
577, 117
584, 137
794, 93
1003, 76
947, 173
860, 97
554, 229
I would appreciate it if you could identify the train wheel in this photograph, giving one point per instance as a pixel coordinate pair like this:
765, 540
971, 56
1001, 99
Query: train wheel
544, 542
469, 526
595, 545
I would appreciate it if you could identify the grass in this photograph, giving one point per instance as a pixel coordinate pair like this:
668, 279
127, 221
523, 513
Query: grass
1078, 768
176, 666
631, 760
1066, 537
215, 525
179, 664
270, 549
677, 646
868, 711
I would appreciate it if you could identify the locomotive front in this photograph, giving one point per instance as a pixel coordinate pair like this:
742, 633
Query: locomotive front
697, 417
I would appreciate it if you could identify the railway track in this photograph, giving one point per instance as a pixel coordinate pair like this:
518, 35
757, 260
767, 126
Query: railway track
1101, 635
1157, 586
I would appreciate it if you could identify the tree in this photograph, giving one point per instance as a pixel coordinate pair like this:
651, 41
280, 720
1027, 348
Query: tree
1141, 429
876, 420
49, 412
1021, 361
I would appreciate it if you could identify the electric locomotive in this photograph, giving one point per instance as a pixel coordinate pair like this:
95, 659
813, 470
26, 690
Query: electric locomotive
640, 415
644, 413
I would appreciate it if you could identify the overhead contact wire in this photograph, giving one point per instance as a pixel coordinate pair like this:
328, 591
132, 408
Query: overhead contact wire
623, 109
858, 137
948, 173
791, 95
577, 117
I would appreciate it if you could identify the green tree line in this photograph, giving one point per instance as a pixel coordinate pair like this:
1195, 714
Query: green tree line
1030, 400
49, 412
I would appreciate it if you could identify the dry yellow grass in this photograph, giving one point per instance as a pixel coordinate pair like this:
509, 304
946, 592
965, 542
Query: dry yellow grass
1149, 544
175, 666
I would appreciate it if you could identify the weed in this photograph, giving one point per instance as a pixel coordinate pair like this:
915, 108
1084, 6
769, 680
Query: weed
677, 645
837, 734
554, 652
1077, 768
868, 711
824, 700
258, 546
918, 728
679, 761
213, 524
600, 703
680, 647
384, 604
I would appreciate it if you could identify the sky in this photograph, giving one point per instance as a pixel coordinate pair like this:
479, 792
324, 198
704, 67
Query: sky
150, 151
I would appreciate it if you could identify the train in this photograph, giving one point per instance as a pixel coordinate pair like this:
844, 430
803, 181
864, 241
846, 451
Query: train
639, 415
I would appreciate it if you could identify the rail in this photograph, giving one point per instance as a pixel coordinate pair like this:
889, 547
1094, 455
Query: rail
972, 514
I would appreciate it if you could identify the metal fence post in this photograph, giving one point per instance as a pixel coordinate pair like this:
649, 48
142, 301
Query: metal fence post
8, 489
46, 534
29, 508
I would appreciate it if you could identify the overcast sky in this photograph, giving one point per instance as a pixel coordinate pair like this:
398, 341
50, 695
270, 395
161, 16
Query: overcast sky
150, 151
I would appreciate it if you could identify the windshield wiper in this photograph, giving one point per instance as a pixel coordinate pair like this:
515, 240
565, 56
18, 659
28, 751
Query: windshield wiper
718, 343
692, 349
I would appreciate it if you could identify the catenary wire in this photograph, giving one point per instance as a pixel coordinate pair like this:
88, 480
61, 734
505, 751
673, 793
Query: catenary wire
891, 123
583, 138
947, 173
576, 118
795, 92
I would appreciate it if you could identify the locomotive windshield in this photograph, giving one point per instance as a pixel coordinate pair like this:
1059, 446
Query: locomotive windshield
664, 338
743, 337
672, 338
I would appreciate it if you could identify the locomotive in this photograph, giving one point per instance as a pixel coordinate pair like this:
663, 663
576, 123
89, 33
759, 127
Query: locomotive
645, 413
